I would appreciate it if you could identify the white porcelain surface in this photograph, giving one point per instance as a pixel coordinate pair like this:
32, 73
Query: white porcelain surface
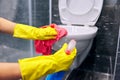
80, 32
82, 35
80, 11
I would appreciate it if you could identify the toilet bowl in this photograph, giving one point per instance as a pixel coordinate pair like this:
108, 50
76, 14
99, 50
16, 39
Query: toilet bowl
82, 35
78, 17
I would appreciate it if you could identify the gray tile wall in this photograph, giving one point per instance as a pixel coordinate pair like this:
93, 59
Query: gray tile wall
18, 11
40, 12
11, 49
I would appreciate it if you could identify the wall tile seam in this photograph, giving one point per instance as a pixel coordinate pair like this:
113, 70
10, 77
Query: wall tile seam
117, 51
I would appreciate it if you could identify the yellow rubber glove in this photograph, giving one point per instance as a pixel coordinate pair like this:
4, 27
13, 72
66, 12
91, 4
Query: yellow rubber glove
37, 67
30, 32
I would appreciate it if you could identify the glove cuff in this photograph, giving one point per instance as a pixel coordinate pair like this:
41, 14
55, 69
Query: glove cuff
37, 67
23, 31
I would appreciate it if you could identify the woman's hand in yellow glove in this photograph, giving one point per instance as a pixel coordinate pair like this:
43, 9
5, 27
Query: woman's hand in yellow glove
64, 60
37, 67
30, 32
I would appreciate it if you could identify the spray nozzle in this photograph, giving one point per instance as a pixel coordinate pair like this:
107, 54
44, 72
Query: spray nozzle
71, 46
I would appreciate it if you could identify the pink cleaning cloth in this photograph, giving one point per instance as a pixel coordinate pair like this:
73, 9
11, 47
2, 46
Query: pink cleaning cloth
44, 47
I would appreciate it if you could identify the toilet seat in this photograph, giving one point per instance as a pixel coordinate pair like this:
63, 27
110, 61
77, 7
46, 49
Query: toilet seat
80, 12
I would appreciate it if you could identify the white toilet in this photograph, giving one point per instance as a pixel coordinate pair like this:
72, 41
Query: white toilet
79, 18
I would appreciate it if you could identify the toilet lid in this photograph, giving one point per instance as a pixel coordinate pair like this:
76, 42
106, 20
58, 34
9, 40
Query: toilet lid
80, 12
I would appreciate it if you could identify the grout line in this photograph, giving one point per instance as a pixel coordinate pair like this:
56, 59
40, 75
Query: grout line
30, 23
50, 11
116, 55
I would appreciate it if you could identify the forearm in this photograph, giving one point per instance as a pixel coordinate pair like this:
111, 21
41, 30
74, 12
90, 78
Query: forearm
27, 32
6, 26
9, 71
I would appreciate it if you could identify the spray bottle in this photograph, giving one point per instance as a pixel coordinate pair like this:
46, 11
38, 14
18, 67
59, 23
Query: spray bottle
71, 46
62, 74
